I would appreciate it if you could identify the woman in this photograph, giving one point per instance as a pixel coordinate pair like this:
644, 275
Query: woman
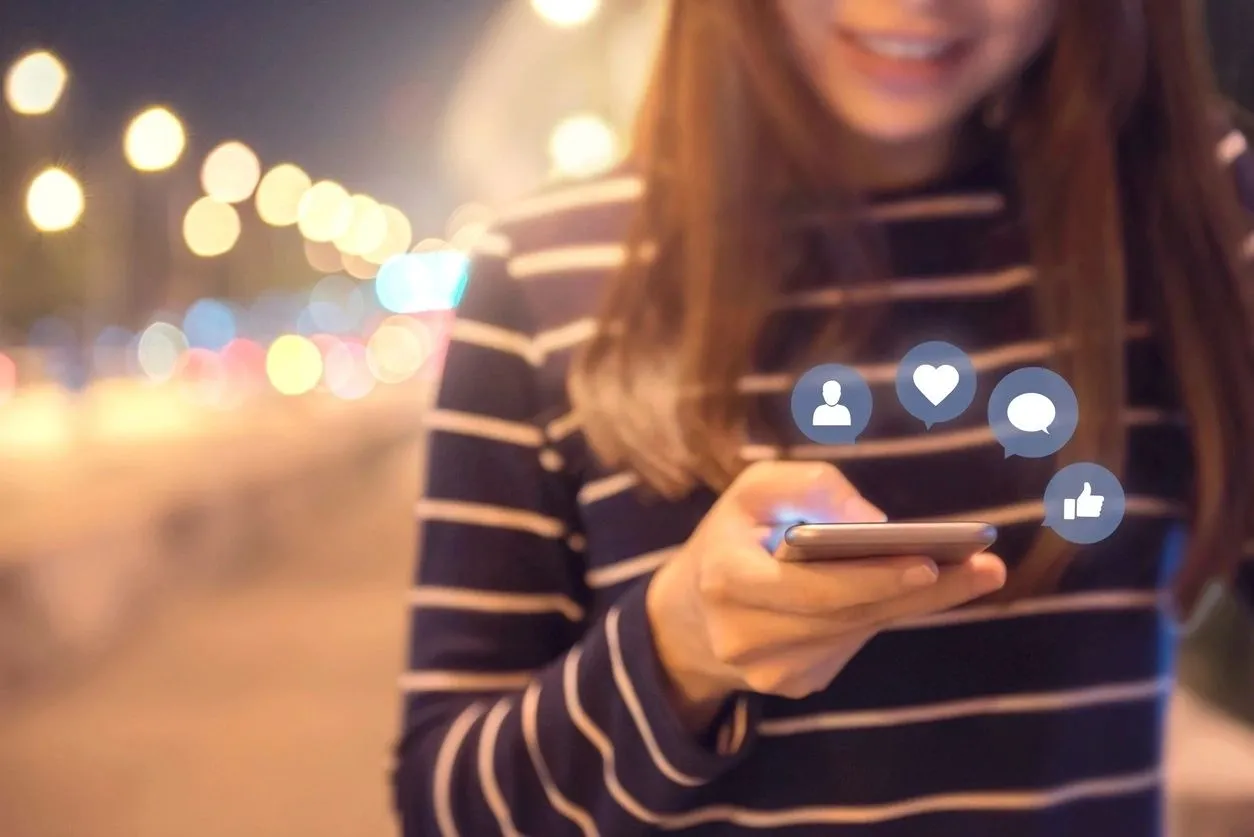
837, 181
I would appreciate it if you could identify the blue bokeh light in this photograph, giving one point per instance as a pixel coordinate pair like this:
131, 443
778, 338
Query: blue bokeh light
209, 324
413, 283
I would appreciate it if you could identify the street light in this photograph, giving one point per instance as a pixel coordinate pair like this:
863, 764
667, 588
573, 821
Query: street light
34, 83
325, 211
279, 194
210, 228
230, 173
155, 140
366, 231
566, 14
54, 200
397, 238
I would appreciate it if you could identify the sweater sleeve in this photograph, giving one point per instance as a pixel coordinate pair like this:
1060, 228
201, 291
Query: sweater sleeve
523, 712
1234, 151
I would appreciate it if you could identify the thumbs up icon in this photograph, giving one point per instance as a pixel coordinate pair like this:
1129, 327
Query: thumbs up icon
1087, 506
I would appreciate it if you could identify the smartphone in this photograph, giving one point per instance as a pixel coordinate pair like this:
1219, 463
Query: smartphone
944, 543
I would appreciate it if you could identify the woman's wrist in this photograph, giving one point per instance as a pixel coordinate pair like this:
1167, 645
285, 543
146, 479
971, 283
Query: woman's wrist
696, 692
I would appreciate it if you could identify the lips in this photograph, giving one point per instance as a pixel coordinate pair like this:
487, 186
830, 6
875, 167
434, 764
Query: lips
903, 62
904, 48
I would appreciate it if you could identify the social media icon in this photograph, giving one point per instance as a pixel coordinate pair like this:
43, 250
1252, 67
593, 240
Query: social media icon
935, 382
1033, 412
1087, 506
831, 404
1084, 503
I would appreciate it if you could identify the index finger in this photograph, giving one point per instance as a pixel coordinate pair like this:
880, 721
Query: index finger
770, 492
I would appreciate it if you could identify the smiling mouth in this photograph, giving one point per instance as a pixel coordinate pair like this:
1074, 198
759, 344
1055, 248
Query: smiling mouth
905, 47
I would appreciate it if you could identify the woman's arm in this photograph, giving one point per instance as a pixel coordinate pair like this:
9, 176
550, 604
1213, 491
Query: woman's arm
523, 714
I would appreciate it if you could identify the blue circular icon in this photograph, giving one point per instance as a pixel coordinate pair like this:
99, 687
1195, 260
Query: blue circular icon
936, 382
1033, 412
831, 404
1084, 503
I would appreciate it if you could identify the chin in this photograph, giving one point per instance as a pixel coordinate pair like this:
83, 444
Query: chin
897, 124
895, 120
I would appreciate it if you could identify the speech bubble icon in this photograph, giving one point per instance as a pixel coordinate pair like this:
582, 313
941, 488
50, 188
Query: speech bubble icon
1031, 412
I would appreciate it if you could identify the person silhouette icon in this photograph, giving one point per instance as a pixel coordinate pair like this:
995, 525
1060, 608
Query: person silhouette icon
831, 413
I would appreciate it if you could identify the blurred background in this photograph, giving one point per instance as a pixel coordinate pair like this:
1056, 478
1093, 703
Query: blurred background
231, 236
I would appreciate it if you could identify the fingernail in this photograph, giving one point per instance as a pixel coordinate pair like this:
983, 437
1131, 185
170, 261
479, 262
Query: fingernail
920, 576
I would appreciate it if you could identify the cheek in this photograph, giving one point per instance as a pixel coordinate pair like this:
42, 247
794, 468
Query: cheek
807, 24
1016, 32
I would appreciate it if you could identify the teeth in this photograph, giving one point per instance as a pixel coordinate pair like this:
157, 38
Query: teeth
906, 48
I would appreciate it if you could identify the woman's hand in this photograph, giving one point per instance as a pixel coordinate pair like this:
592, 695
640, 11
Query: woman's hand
727, 616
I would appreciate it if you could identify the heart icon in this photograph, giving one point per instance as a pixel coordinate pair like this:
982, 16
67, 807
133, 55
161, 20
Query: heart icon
936, 382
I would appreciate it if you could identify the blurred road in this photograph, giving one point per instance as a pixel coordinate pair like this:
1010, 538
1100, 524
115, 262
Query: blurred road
262, 709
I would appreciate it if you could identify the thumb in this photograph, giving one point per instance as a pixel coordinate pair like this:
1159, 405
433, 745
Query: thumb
1088, 490
768, 491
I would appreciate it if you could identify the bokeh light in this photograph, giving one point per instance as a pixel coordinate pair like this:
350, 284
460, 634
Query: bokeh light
54, 200
418, 282
467, 237
325, 343
566, 13
325, 211
279, 194
397, 237
209, 324
582, 145
244, 362
467, 215
273, 314
398, 349
367, 227
203, 375
335, 305
430, 245
348, 374
359, 268
160, 348
230, 173
294, 365
210, 228
35, 83
323, 256
154, 140
467, 225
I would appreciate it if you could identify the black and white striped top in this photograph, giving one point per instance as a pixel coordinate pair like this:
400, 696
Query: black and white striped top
533, 699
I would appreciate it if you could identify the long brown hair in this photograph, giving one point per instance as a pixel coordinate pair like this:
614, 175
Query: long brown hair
1113, 131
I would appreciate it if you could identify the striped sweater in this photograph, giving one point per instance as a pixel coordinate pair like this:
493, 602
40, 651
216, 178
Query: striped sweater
533, 701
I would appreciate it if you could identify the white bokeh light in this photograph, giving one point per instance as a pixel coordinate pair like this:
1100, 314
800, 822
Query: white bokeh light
582, 145
34, 84
566, 14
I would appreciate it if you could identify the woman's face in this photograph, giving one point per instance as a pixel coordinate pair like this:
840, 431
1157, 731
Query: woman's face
901, 71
